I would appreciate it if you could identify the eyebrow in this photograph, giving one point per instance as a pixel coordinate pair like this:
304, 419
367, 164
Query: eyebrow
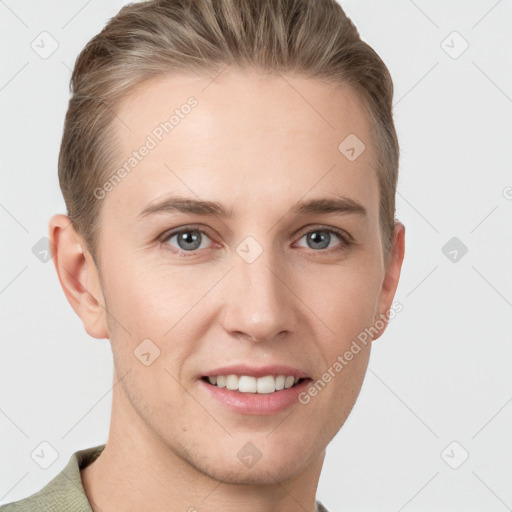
340, 206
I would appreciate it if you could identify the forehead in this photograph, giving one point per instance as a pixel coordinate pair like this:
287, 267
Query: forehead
244, 136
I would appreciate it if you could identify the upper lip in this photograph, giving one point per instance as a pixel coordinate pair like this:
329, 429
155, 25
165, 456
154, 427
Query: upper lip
260, 371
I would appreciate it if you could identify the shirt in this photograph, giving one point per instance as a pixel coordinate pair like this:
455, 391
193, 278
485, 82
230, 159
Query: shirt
65, 492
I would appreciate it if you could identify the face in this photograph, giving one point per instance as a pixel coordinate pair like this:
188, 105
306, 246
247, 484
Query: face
243, 243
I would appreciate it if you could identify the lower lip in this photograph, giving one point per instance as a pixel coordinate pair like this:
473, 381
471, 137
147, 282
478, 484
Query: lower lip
256, 403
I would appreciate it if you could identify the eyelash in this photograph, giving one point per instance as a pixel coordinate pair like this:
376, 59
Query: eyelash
345, 240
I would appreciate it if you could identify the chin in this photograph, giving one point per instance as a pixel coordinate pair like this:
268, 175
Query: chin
260, 474
227, 467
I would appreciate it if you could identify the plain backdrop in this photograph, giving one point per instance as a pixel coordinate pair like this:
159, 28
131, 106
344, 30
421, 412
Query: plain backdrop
431, 429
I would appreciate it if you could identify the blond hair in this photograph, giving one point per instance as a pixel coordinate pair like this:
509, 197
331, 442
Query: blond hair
312, 38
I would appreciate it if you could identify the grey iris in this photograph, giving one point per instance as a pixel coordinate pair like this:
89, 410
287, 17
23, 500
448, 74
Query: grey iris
319, 241
189, 240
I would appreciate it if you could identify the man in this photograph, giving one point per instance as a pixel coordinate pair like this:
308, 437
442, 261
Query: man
229, 170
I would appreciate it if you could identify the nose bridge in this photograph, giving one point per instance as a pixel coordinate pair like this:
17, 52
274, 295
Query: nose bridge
260, 304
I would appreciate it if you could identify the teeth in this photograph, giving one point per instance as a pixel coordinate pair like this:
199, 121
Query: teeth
266, 384
248, 384
288, 383
232, 382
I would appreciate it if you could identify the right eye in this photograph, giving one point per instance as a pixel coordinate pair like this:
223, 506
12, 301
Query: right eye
186, 241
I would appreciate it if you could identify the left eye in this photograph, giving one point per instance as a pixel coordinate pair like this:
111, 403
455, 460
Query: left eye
321, 238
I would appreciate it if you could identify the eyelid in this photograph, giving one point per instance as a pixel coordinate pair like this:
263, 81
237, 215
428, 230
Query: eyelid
320, 227
188, 227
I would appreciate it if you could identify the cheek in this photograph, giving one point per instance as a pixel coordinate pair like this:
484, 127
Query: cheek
343, 298
161, 304
347, 306
150, 297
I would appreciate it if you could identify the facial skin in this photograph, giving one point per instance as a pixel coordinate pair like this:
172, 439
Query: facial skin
257, 144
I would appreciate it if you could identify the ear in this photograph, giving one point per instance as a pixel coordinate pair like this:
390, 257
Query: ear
78, 275
391, 278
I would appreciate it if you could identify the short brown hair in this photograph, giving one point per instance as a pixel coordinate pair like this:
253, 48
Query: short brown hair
312, 38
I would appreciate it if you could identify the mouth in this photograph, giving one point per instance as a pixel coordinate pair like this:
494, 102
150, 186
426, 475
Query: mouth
255, 390
264, 385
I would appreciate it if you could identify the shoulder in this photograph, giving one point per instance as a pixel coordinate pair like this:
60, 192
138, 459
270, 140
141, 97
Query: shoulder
64, 492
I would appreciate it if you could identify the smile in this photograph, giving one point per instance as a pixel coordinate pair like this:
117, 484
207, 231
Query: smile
249, 384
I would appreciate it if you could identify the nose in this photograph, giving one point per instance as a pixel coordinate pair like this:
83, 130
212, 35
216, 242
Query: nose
259, 304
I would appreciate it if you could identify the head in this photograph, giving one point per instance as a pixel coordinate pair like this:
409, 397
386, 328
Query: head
229, 171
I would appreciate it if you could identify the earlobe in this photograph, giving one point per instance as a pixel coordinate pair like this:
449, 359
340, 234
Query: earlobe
392, 276
78, 275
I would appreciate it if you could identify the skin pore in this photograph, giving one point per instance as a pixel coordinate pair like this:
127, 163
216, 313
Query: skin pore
257, 145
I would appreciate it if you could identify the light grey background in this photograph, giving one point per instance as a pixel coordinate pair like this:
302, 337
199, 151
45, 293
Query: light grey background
441, 372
